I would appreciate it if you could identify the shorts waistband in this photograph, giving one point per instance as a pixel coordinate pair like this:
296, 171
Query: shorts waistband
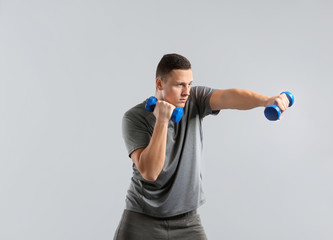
179, 216
182, 215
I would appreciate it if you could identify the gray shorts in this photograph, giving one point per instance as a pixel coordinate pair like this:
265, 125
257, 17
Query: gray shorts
137, 226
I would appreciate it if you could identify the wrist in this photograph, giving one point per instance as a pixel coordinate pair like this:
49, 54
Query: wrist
161, 122
268, 101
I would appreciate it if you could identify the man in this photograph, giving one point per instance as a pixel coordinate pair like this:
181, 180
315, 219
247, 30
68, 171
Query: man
166, 189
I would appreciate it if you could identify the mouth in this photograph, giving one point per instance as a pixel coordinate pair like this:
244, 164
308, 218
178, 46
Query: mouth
183, 100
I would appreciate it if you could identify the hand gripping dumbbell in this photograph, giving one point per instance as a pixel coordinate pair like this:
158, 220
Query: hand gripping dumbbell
177, 113
273, 112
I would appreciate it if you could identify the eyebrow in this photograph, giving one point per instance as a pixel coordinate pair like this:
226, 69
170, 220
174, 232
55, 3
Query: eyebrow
178, 82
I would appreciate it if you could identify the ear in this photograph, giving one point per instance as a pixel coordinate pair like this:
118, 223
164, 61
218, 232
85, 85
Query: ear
159, 83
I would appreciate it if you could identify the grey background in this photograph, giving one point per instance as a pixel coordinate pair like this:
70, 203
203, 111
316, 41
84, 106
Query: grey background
70, 69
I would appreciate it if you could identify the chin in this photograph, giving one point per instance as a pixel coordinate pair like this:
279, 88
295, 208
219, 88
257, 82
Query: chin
181, 105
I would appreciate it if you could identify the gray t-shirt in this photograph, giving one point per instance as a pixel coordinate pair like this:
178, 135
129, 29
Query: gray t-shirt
178, 188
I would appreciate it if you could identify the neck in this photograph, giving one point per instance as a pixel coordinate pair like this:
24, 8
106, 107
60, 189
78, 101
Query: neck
158, 95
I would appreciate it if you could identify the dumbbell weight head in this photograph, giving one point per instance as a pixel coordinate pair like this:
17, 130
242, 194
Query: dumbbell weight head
150, 104
177, 113
272, 112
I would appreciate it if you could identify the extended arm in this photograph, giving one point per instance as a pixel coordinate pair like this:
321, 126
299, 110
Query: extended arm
243, 99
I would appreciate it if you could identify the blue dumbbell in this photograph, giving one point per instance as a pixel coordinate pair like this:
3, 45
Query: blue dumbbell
177, 113
273, 112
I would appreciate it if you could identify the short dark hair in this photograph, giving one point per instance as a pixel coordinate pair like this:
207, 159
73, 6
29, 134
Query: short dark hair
170, 62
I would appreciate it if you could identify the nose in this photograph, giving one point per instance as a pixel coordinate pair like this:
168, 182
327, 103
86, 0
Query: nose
186, 90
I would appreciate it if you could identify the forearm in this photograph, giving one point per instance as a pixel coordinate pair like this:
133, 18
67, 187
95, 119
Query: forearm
152, 158
240, 99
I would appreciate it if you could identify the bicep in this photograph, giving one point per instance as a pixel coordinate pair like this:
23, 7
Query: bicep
218, 100
135, 156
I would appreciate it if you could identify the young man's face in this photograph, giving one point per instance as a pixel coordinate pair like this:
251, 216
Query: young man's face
175, 89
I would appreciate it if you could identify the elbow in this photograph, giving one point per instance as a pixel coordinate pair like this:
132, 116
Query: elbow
149, 173
150, 177
148, 169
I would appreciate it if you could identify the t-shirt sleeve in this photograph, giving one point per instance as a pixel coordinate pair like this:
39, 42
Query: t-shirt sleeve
135, 132
202, 96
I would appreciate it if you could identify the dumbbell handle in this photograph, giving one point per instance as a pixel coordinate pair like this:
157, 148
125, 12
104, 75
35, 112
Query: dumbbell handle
273, 112
177, 113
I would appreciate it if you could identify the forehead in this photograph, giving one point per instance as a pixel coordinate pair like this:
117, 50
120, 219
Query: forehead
180, 75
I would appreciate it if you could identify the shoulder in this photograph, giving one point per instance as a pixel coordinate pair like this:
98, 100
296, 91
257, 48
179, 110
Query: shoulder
201, 91
138, 114
137, 110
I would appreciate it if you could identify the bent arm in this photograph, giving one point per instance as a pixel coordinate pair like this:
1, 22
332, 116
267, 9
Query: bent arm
150, 160
240, 99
